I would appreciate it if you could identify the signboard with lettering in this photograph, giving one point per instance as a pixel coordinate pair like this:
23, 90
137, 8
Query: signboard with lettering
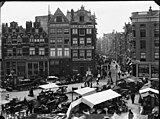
82, 26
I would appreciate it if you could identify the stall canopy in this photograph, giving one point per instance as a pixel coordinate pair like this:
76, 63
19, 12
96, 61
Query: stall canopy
3, 102
49, 86
149, 90
100, 97
85, 91
93, 99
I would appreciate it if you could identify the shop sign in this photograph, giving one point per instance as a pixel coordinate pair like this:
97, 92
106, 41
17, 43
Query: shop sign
82, 26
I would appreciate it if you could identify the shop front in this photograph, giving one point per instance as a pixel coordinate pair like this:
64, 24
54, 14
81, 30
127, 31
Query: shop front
147, 69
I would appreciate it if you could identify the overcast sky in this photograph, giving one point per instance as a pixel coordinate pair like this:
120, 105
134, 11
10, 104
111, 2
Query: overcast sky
110, 15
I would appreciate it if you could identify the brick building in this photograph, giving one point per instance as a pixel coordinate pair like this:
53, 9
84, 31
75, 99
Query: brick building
24, 51
59, 44
145, 26
83, 40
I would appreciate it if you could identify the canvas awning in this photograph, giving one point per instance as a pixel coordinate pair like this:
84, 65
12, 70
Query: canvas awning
85, 91
3, 102
49, 86
55, 77
93, 99
100, 97
149, 89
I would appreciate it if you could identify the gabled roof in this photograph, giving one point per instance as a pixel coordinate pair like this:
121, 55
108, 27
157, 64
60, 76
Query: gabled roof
59, 13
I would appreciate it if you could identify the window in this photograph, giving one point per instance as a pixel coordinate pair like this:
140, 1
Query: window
82, 54
75, 54
156, 43
66, 31
89, 53
89, 41
36, 30
89, 31
32, 51
19, 52
66, 40
59, 19
52, 52
53, 31
156, 32
41, 40
156, 55
156, 25
52, 40
59, 51
30, 68
31, 40
82, 32
66, 51
142, 44
134, 44
36, 40
142, 25
74, 31
142, 33
134, 33
143, 56
59, 31
41, 51
82, 41
56, 62
81, 18
59, 40
75, 41
9, 52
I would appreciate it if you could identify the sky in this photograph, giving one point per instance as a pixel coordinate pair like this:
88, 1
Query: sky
111, 15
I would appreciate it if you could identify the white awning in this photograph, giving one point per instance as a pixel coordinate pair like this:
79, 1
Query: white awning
55, 77
49, 86
3, 102
99, 97
149, 89
93, 99
85, 91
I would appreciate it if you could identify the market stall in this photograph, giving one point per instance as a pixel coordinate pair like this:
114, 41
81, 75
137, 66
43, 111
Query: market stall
85, 91
49, 86
93, 99
149, 99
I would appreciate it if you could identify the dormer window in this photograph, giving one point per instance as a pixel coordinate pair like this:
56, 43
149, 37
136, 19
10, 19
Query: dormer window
81, 18
59, 19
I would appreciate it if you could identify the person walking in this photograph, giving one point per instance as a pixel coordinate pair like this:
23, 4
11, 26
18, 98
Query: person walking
119, 74
130, 114
109, 74
132, 97
98, 78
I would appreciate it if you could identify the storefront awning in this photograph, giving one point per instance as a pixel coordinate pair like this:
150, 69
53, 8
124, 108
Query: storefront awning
85, 91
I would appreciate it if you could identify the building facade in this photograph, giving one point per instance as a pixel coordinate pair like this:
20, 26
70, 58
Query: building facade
145, 26
59, 45
24, 50
83, 40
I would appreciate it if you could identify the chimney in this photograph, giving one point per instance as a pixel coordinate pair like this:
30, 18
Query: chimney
72, 15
